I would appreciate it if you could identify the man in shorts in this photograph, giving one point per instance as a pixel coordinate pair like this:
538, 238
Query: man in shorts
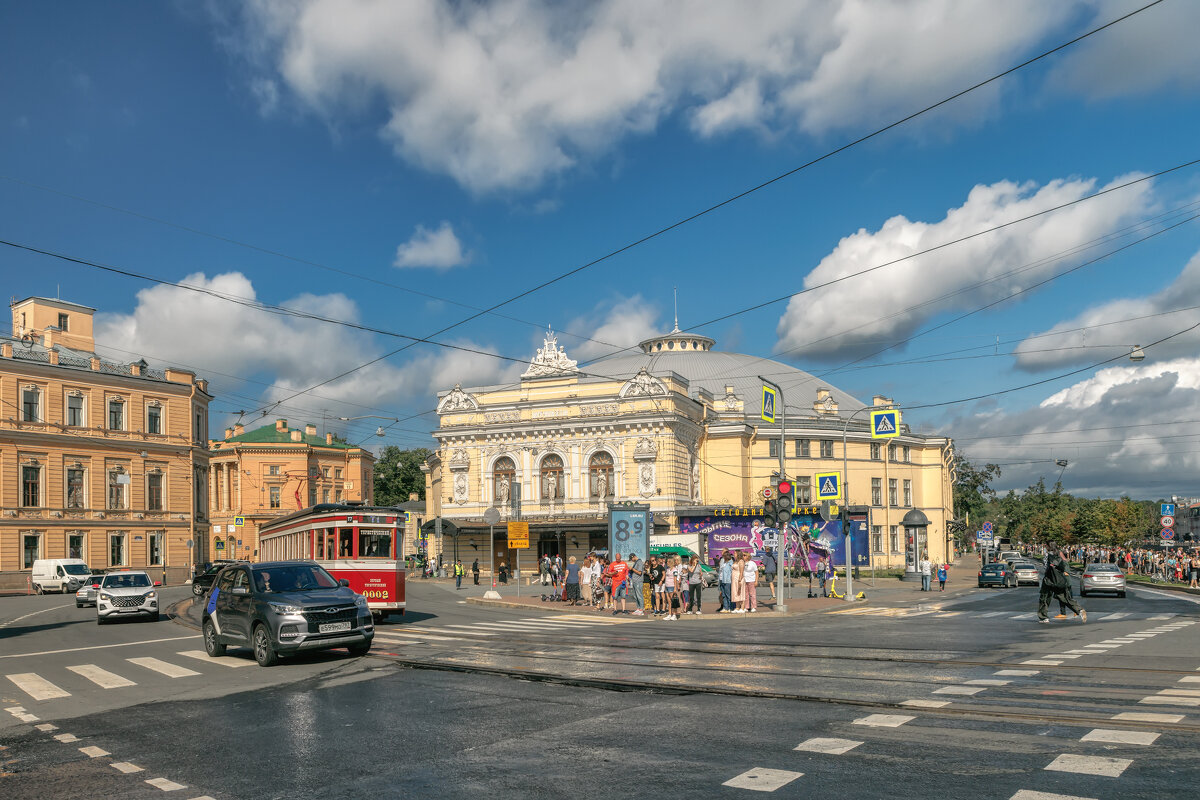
636, 569
619, 571
658, 586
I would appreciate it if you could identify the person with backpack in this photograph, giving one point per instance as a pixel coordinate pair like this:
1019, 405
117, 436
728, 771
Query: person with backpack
943, 572
1056, 586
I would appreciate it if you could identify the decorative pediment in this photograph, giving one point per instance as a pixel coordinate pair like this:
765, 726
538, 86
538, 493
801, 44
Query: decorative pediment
730, 403
550, 360
825, 404
646, 450
459, 460
457, 400
643, 385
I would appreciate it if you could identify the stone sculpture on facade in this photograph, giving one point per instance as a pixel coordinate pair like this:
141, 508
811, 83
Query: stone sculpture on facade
550, 360
503, 491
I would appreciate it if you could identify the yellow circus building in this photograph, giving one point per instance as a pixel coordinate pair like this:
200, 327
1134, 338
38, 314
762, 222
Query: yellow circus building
677, 426
274, 470
102, 461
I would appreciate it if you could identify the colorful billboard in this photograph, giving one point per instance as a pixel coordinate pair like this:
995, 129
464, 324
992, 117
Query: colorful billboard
809, 537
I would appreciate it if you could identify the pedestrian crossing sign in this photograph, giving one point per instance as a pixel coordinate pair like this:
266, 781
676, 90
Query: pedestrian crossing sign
885, 424
768, 409
829, 485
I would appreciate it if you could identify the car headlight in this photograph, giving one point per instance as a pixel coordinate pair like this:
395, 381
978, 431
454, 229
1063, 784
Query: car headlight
151, 595
284, 608
104, 596
360, 601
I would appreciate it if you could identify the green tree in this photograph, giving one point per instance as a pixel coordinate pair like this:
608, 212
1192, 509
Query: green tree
972, 490
398, 473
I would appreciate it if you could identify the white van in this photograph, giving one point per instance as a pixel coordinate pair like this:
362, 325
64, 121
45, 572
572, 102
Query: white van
59, 574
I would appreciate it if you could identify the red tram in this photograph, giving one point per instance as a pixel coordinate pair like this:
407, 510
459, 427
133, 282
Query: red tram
362, 544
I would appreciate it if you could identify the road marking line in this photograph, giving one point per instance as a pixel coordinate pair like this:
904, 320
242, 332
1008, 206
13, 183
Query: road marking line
165, 785
1067, 655
126, 767
204, 797
162, 667
31, 614
1026, 794
100, 647
418, 638
1103, 646
1030, 615
1145, 716
1190, 679
762, 779
200, 655
36, 686
988, 682
832, 746
993, 614
1090, 765
1116, 641
959, 690
926, 703
1118, 615
1120, 737
93, 752
27, 717
1084, 652
1023, 673
1159, 700
438, 631
101, 677
1042, 662
46, 727
883, 720
1162, 616
66, 738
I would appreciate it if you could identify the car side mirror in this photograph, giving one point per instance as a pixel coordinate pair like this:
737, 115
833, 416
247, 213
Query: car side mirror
240, 590
95, 586
158, 583
344, 582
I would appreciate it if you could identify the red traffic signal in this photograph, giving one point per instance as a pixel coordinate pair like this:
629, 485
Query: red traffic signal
785, 488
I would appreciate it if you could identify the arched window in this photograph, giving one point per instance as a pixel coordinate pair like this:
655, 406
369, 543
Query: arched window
504, 477
600, 476
550, 478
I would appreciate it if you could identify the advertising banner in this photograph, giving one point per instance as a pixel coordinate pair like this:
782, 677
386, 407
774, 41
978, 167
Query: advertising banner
809, 538
629, 530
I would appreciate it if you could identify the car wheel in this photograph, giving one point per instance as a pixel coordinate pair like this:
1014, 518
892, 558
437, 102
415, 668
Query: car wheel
264, 651
154, 617
197, 590
1082, 593
1120, 594
100, 620
211, 646
357, 650
78, 604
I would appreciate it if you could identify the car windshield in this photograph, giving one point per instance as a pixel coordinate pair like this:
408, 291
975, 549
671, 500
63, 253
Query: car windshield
132, 580
292, 578
76, 569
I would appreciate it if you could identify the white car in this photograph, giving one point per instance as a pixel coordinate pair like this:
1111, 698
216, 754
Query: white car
126, 594
86, 596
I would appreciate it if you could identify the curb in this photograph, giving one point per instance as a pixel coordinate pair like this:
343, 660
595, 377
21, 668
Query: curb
1170, 587
560, 609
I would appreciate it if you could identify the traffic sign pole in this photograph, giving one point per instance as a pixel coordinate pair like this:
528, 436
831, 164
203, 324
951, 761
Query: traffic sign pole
781, 539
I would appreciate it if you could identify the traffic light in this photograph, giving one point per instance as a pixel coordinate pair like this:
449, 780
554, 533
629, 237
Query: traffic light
769, 511
783, 502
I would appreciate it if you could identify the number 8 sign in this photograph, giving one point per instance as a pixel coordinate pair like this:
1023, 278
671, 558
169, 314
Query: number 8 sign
629, 531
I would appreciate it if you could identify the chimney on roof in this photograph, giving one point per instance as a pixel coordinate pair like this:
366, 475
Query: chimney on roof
296, 436
281, 425
229, 433
239, 429
310, 430
329, 438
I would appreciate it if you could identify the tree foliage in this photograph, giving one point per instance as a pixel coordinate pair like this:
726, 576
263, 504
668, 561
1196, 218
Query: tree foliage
398, 473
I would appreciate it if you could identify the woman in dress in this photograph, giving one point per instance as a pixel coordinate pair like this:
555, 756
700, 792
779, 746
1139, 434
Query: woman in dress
750, 578
739, 583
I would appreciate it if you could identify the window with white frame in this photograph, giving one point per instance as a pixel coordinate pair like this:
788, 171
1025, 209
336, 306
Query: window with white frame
312, 495
76, 487
154, 491
803, 449
31, 485
827, 448
116, 414
31, 548
906, 453
75, 414
337, 474
803, 490
893, 492
600, 475
876, 538
63, 322
876, 491
894, 536
154, 418
773, 448
273, 469
117, 553
77, 544
891, 452
325, 472
155, 541
324, 495
337, 495
908, 493
876, 453
275, 497
118, 488
31, 404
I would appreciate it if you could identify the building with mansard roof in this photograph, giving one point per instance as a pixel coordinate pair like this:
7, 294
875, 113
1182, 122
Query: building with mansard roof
676, 425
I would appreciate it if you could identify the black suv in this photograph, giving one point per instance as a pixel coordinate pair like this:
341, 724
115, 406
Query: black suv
284, 607
206, 576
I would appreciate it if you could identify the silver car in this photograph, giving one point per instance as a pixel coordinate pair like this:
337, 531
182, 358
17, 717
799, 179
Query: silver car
1101, 578
1027, 572
86, 596
126, 594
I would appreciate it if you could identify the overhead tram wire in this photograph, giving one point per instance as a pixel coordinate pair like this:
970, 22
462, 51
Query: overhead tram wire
741, 195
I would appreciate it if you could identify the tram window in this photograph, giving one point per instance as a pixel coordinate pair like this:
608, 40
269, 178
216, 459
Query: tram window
345, 542
320, 551
374, 544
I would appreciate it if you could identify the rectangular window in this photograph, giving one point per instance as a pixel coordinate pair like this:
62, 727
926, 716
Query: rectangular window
907, 451
324, 495
374, 544
891, 452
893, 493
154, 491
876, 538
76, 545
31, 405
154, 419
31, 549
156, 549
325, 472
118, 480
803, 491
273, 469
312, 495
75, 488
773, 448
62, 322
827, 448
116, 549
876, 491
199, 432
75, 417
337, 496
275, 497
875, 451
116, 415
802, 448
907, 493
337, 473
895, 538
345, 540
31, 486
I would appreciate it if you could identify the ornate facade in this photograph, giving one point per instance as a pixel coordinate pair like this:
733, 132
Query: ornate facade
675, 426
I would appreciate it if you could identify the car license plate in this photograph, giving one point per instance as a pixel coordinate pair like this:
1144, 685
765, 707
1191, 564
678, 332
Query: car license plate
334, 627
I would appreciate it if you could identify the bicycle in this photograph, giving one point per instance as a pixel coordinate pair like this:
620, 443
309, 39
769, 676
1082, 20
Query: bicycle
833, 592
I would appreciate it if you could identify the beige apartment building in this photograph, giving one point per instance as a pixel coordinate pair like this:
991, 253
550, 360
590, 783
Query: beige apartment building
676, 426
102, 461
268, 472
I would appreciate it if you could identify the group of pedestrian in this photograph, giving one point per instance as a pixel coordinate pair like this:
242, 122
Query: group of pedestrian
930, 570
737, 578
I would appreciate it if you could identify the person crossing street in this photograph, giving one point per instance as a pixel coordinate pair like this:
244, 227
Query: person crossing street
1056, 586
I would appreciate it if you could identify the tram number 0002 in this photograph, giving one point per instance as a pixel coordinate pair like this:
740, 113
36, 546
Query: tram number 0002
375, 594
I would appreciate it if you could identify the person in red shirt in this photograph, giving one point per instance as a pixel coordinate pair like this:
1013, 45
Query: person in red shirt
619, 571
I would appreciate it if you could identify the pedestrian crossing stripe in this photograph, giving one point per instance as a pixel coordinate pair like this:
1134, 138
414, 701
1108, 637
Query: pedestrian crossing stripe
885, 424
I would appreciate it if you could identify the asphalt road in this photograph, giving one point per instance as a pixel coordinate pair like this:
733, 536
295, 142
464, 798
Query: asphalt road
436, 707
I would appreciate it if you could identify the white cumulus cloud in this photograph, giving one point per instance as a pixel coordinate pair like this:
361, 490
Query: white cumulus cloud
612, 325
438, 248
862, 314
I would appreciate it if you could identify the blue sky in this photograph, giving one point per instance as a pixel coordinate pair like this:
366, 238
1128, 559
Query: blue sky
462, 153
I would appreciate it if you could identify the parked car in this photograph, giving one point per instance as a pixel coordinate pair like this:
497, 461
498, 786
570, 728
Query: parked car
998, 574
279, 608
128, 593
1027, 572
58, 574
86, 596
1102, 578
